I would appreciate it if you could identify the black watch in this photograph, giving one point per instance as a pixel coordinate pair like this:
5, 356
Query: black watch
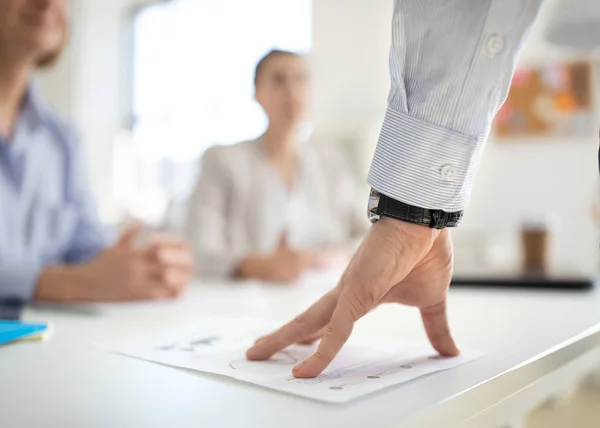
381, 205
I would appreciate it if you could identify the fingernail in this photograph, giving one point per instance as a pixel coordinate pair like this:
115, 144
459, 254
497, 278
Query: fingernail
252, 354
298, 369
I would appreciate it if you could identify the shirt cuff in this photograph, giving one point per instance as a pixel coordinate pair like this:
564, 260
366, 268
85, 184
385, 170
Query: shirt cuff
18, 281
423, 164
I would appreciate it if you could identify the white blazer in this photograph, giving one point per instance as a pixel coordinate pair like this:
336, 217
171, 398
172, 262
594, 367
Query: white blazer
242, 206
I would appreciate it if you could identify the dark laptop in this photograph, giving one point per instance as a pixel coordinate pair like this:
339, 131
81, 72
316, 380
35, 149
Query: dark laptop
525, 281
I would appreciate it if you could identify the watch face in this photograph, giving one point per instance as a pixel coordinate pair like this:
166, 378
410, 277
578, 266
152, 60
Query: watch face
374, 196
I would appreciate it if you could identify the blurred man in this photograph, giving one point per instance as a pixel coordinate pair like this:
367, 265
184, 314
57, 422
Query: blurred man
52, 244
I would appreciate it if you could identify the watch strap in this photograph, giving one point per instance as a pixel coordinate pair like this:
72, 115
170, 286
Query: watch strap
435, 219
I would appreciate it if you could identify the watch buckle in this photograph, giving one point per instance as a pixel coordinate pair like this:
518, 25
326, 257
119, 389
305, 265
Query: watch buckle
439, 220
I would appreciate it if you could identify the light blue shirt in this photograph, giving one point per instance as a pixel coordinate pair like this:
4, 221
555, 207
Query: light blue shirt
47, 216
451, 64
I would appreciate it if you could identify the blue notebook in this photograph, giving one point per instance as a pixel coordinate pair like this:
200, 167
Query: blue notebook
15, 330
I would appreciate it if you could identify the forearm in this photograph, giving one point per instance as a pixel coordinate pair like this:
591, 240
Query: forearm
451, 65
62, 284
31, 281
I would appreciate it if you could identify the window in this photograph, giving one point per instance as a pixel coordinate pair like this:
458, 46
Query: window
192, 85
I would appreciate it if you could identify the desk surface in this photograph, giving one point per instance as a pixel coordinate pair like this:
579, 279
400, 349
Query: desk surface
67, 382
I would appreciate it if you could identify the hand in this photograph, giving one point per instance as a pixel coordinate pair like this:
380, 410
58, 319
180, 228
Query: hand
159, 271
174, 259
397, 262
284, 265
122, 272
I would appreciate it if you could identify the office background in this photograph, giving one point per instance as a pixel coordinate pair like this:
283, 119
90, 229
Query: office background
94, 87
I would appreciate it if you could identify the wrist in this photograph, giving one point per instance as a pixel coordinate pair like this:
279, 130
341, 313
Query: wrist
381, 205
404, 230
61, 283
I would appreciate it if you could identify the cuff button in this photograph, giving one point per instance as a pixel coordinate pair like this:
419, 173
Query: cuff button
448, 173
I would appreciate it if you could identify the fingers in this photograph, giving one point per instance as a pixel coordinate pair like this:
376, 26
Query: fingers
172, 279
151, 286
368, 278
349, 309
166, 275
285, 274
387, 255
171, 261
308, 260
161, 293
303, 326
128, 236
179, 257
286, 268
160, 239
312, 338
306, 341
435, 320
169, 268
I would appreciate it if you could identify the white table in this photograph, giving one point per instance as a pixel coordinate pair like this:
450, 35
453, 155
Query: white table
536, 343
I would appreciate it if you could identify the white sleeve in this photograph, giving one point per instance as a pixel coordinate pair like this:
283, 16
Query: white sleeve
451, 64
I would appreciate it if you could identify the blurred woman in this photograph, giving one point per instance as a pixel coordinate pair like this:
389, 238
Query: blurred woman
277, 206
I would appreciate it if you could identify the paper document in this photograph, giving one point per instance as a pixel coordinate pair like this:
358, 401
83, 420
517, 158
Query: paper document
219, 346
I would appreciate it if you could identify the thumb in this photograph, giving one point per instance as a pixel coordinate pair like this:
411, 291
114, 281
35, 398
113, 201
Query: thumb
435, 320
128, 236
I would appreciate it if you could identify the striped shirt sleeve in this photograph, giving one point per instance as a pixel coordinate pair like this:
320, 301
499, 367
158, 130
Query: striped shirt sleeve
451, 64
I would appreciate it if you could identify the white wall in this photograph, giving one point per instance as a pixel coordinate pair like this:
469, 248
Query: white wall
350, 73
351, 39
351, 43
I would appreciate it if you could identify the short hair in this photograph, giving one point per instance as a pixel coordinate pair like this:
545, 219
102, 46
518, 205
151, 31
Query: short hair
274, 53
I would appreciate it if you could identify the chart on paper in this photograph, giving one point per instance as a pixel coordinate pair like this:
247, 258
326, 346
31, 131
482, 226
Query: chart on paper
219, 346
